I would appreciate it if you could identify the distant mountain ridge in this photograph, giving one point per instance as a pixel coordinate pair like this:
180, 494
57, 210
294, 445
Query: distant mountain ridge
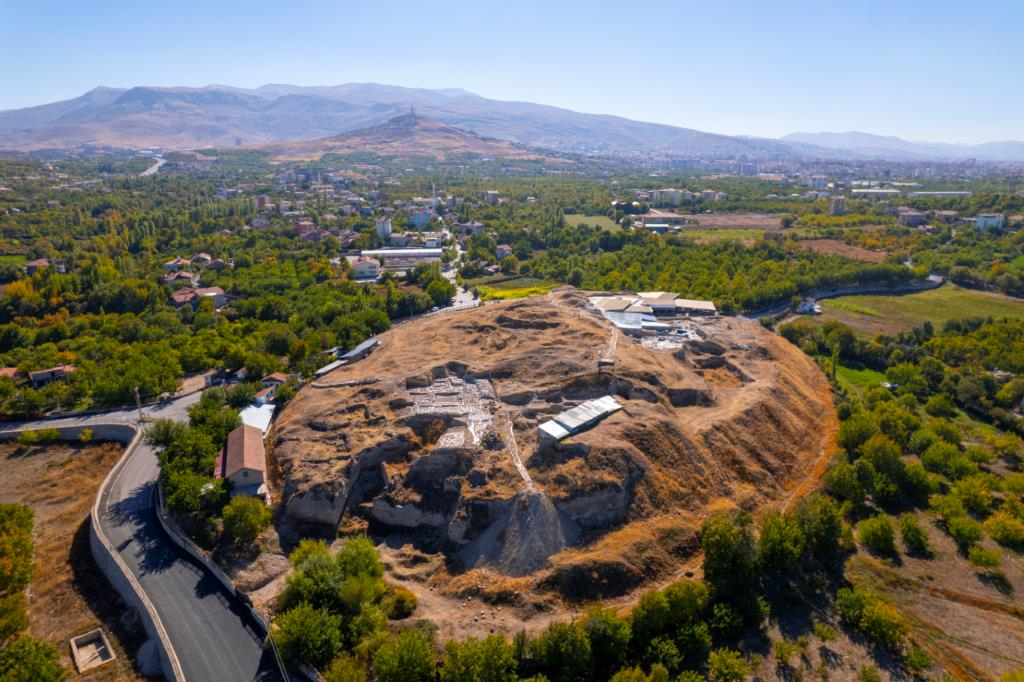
883, 146
224, 116
220, 116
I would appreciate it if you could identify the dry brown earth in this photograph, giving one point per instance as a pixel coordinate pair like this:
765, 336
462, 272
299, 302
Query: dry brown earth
414, 445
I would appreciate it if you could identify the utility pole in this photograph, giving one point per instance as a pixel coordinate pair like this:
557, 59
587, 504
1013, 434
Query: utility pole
138, 403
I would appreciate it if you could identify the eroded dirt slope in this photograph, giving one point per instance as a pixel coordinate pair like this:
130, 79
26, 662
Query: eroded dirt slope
418, 444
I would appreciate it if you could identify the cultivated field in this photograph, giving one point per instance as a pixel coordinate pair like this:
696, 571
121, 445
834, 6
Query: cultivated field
602, 221
737, 221
834, 246
69, 595
520, 287
888, 314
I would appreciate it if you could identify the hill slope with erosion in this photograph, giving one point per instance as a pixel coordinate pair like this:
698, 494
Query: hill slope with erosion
421, 443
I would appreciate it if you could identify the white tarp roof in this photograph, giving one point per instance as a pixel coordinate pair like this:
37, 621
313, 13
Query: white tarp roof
258, 416
580, 417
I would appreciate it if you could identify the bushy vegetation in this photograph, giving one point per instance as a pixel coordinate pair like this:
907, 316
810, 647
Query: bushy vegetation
22, 658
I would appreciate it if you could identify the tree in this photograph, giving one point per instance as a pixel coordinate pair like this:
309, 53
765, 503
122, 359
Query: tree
406, 657
345, 668
307, 634
440, 291
726, 665
563, 652
245, 518
877, 535
480, 660
914, 537
730, 560
609, 636
780, 544
28, 659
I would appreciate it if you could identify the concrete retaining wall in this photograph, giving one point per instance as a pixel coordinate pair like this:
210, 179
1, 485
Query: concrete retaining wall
106, 555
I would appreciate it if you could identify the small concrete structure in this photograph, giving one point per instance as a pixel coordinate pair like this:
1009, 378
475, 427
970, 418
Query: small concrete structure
91, 650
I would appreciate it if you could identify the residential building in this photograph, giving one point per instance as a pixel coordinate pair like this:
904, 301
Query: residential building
492, 196
990, 221
911, 218
837, 205
42, 377
32, 267
383, 227
666, 197
176, 264
469, 229
419, 217
243, 462
502, 251
365, 267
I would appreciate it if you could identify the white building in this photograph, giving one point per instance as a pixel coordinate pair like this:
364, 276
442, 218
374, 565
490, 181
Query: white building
383, 227
990, 221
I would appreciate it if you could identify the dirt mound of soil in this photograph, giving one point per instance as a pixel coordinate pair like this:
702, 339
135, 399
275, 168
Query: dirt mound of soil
434, 441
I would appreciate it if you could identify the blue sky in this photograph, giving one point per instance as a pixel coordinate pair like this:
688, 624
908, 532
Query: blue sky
926, 70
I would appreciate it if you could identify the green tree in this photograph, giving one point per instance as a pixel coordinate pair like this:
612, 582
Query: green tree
407, 657
726, 665
28, 659
609, 636
245, 518
730, 560
876, 533
307, 634
780, 544
479, 660
563, 652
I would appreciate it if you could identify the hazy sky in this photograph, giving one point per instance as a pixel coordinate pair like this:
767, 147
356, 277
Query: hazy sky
941, 70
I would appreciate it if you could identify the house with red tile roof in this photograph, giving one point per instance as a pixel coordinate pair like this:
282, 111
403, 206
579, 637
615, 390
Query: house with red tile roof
243, 462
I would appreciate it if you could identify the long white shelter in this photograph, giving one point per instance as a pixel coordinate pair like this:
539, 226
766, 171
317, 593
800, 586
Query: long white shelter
580, 418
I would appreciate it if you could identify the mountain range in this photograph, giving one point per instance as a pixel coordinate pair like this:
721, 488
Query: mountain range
223, 116
867, 145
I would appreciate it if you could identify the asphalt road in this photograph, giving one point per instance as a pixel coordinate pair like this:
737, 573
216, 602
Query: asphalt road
214, 636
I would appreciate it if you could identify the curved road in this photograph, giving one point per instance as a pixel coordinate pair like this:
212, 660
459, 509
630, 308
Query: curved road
213, 635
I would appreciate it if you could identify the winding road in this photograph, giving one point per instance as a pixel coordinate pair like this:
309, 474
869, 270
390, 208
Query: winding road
214, 636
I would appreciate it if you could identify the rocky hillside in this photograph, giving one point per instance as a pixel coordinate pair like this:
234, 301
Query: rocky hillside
404, 136
420, 443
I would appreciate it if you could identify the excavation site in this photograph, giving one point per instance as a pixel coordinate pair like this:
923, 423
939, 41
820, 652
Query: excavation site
542, 451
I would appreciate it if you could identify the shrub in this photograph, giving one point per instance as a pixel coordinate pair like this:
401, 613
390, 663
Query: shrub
484, 660
308, 634
877, 535
882, 623
975, 492
982, 557
917, 659
825, 633
13, 615
964, 530
1006, 529
85, 436
28, 659
869, 673
914, 537
940, 405
245, 518
406, 657
726, 665
345, 668
783, 650
402, 603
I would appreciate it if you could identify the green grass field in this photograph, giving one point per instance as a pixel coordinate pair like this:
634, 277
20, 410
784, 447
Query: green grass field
602, 221
722, 234
521, 287
871, 314
13, 259
858, 379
